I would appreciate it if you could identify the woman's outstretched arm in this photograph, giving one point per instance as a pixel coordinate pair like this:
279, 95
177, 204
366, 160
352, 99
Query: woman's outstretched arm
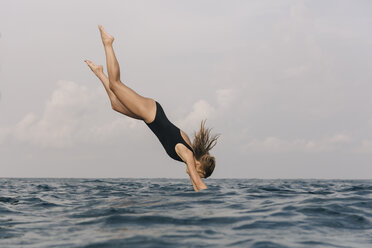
192, 182
188, 157
196, 180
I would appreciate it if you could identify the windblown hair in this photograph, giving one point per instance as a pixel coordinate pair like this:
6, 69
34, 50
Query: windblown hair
203, 142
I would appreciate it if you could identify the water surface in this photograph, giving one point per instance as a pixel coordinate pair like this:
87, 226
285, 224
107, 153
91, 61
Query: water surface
168, 213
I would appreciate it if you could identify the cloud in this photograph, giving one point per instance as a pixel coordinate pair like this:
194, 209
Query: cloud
296, 71
364, 147
225, 97
73, 114
297, 11
277, 145
365, 144
202, 109
4, 133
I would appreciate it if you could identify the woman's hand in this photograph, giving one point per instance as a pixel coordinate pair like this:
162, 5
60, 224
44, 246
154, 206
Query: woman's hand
188, 157
195, 178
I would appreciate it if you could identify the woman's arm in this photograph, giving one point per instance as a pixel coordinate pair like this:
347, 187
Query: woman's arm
188, 157
192, 182
194, 176
193, 185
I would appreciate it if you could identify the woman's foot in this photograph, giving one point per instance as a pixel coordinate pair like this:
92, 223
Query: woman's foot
106, 38
97, 69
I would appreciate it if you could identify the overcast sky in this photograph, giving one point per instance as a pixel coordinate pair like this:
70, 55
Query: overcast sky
288, 84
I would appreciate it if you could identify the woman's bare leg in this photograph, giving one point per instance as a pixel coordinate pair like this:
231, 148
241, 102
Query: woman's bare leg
115, 103
141, 106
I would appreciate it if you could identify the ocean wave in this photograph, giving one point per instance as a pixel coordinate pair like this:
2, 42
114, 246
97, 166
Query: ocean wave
11, 200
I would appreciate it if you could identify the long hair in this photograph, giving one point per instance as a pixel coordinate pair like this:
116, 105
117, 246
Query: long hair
203, 142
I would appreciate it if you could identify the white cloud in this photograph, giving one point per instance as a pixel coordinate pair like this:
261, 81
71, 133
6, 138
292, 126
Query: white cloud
203, 110
297, 11
73, 114
277, 145
200, 110
365, 147
296, 71
77, 114
225, 97
4, 133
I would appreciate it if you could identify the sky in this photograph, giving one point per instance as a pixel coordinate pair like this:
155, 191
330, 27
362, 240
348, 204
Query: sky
287, 84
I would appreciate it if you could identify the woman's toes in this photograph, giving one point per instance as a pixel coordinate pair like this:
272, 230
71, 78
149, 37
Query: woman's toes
106, 38
89, 63
95, 68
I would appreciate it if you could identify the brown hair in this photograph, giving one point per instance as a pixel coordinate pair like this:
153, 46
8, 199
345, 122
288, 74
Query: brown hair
203, 142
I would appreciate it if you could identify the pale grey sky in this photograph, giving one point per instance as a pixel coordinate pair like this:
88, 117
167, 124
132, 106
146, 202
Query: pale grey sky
288, 84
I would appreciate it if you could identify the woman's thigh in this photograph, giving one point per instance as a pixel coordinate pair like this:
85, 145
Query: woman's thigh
143, 107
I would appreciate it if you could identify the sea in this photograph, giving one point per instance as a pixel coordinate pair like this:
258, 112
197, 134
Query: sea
122, 212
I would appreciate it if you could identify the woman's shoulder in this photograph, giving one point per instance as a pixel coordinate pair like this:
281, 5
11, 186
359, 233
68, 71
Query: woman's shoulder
184, 152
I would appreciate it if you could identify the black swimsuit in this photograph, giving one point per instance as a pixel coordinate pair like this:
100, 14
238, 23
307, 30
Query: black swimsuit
168, 134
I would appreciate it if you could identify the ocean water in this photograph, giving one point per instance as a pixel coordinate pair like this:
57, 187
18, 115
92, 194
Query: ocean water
168, 213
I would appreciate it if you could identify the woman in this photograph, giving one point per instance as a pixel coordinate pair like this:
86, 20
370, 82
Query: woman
176, 143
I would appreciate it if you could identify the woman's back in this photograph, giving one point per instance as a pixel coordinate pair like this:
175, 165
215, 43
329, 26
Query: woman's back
168, 134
